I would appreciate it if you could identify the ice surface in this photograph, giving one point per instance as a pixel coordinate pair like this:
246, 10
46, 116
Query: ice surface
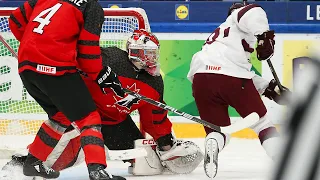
240, 160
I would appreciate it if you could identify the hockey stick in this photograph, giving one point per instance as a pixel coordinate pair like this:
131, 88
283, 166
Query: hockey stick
4, 42
275, 75
6, 152
239, 125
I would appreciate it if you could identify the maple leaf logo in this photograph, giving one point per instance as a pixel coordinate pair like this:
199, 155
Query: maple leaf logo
129, 100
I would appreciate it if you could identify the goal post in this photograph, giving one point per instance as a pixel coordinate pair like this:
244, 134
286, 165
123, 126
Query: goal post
20, 115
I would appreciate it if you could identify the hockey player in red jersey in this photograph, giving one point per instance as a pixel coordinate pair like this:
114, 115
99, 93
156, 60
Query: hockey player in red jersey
138, 70
55, 37
221, 76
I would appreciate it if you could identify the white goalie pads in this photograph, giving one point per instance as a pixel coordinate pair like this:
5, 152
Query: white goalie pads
150, 164
183, 158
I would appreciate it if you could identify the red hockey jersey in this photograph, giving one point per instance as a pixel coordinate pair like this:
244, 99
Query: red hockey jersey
56, 35
114, 109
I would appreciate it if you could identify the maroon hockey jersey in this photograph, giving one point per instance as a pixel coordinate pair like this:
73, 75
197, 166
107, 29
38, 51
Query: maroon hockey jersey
57, 35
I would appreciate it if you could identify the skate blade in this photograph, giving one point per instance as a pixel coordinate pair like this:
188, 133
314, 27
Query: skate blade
211, 165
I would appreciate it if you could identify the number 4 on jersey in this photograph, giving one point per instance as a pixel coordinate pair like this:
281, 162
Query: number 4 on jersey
45, 20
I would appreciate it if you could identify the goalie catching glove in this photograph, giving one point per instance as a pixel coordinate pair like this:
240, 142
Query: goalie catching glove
183, 157
108, 79
273, 93
265, 48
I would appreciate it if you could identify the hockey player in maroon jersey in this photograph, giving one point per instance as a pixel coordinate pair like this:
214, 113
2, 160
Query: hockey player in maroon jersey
55, 37
221, 76
138, 70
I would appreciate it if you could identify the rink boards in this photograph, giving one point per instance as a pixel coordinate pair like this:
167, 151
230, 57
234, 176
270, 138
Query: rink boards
181, 128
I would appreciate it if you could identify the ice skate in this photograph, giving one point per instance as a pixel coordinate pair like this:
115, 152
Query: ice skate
101, 174
16, 160
35, 167
211, 157
13, 169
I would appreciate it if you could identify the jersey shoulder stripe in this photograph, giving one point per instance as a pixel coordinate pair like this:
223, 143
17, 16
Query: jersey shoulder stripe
246, 9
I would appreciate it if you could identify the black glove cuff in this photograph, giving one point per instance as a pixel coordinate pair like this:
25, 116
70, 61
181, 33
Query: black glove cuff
165, 140
104, 74
270, 90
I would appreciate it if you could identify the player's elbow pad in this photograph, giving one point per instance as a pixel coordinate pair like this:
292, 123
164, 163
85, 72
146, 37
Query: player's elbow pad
15, 30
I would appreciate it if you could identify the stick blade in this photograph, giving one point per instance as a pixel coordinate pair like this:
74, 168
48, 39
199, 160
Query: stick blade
246, 122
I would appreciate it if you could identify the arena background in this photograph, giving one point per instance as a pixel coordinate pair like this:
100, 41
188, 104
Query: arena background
182, 28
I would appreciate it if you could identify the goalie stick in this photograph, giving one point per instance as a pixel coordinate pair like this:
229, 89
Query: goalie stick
7, 152
239, 125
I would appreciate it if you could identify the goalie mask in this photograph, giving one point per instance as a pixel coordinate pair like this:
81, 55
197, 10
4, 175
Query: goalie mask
143, 48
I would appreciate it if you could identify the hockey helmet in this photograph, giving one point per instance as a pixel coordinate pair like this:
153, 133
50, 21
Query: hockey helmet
143, 48
236, 5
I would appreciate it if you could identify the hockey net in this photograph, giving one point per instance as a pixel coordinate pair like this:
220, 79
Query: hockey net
20, 115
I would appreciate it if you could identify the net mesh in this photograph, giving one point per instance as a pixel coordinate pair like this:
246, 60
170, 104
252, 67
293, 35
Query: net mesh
19, 113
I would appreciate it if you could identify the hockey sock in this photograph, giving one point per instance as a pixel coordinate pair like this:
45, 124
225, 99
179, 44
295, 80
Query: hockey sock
91, 139
69, 155
93, 146
268, 136
209, 130
221, 138
44, 142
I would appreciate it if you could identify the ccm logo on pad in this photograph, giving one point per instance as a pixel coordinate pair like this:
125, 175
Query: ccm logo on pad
148, 142
46, 69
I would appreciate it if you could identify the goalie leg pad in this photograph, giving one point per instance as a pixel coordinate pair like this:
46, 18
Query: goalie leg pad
149, 165
182, 158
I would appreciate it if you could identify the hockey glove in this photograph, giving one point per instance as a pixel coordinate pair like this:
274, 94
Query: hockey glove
108, 79
265, 48
273, 93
